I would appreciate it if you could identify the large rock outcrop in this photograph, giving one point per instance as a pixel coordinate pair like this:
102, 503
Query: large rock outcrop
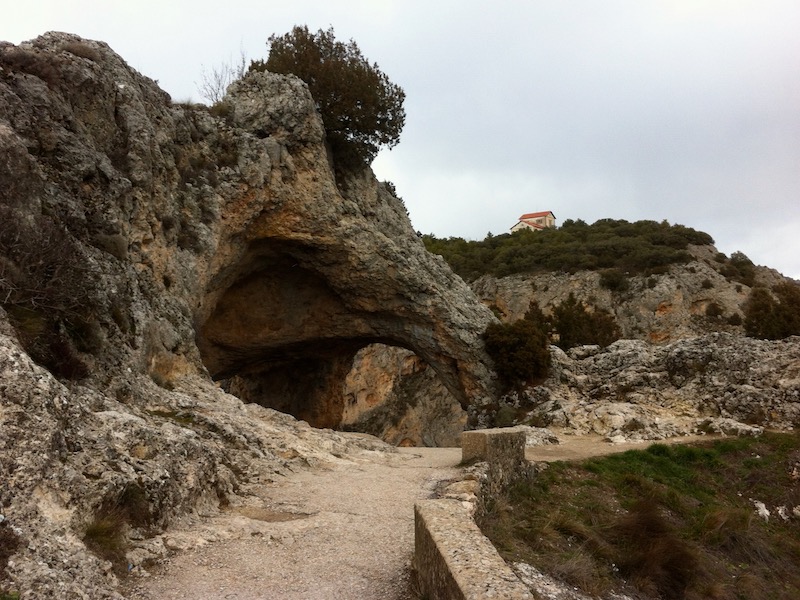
392, 394
687, 300
633, 390
231, 230
148, 247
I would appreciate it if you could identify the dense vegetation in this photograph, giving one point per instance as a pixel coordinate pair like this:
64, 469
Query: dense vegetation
775, 315
670, 522
575, 324
361, 109
639, 247
520, 352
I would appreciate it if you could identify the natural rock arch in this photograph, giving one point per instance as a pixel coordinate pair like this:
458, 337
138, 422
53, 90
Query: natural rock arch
282, 337
220, 238
308, 270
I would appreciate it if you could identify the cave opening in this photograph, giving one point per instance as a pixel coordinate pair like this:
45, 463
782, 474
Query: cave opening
279, 334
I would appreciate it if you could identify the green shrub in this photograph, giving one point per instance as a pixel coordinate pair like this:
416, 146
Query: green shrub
773, 317
714, 310
739, 268
519, 350
614, 280
576, 325
640, 247
361, 109
735, 319
506, 416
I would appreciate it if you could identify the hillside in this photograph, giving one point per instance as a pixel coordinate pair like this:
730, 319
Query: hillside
717, 521
640, 247
626, 390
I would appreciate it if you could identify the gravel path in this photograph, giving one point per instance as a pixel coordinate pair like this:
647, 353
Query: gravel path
345, 533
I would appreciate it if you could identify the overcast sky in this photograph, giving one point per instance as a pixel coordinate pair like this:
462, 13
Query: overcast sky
685, 110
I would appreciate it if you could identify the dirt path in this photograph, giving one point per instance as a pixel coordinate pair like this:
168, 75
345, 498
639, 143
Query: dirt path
353, 540
345, 533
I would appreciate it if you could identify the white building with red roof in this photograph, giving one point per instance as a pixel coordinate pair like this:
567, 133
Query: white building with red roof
535, 221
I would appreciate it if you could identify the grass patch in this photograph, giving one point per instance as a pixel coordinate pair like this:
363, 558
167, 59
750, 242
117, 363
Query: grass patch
181, 417
106, 533
671, 522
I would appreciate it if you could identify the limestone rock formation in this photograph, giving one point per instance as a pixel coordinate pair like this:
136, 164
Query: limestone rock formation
633, 390
392, 394
687, 301
147, 247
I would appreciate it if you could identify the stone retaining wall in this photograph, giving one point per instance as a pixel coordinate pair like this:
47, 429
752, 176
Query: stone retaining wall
452, 558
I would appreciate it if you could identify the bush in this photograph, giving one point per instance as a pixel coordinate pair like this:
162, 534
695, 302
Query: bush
82, 50
361, 109
576, 326
33, 62
714, 310
519, 350
656, 558
735, 319
614, 280
740, 268
773, 317
105, 534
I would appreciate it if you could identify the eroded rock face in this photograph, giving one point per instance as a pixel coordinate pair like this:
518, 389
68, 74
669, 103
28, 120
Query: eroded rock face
319, 273
200, 245
392, 394
633, 390
234, 230
689, 300
69, 453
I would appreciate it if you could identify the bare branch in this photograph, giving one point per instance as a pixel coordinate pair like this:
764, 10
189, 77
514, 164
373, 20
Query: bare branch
214, 82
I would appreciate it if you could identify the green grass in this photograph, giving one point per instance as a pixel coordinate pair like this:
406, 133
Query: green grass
670, 522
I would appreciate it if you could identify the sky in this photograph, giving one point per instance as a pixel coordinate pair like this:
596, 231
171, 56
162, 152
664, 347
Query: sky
679, 110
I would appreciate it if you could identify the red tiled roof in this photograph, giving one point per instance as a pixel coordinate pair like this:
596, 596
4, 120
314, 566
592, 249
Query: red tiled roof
536, 214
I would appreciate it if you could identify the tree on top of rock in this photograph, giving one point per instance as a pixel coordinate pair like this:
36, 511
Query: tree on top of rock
361, 109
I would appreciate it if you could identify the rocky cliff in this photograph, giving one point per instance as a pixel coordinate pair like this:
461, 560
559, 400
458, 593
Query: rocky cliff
687, 300
633, 390
658, 314
149, 248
